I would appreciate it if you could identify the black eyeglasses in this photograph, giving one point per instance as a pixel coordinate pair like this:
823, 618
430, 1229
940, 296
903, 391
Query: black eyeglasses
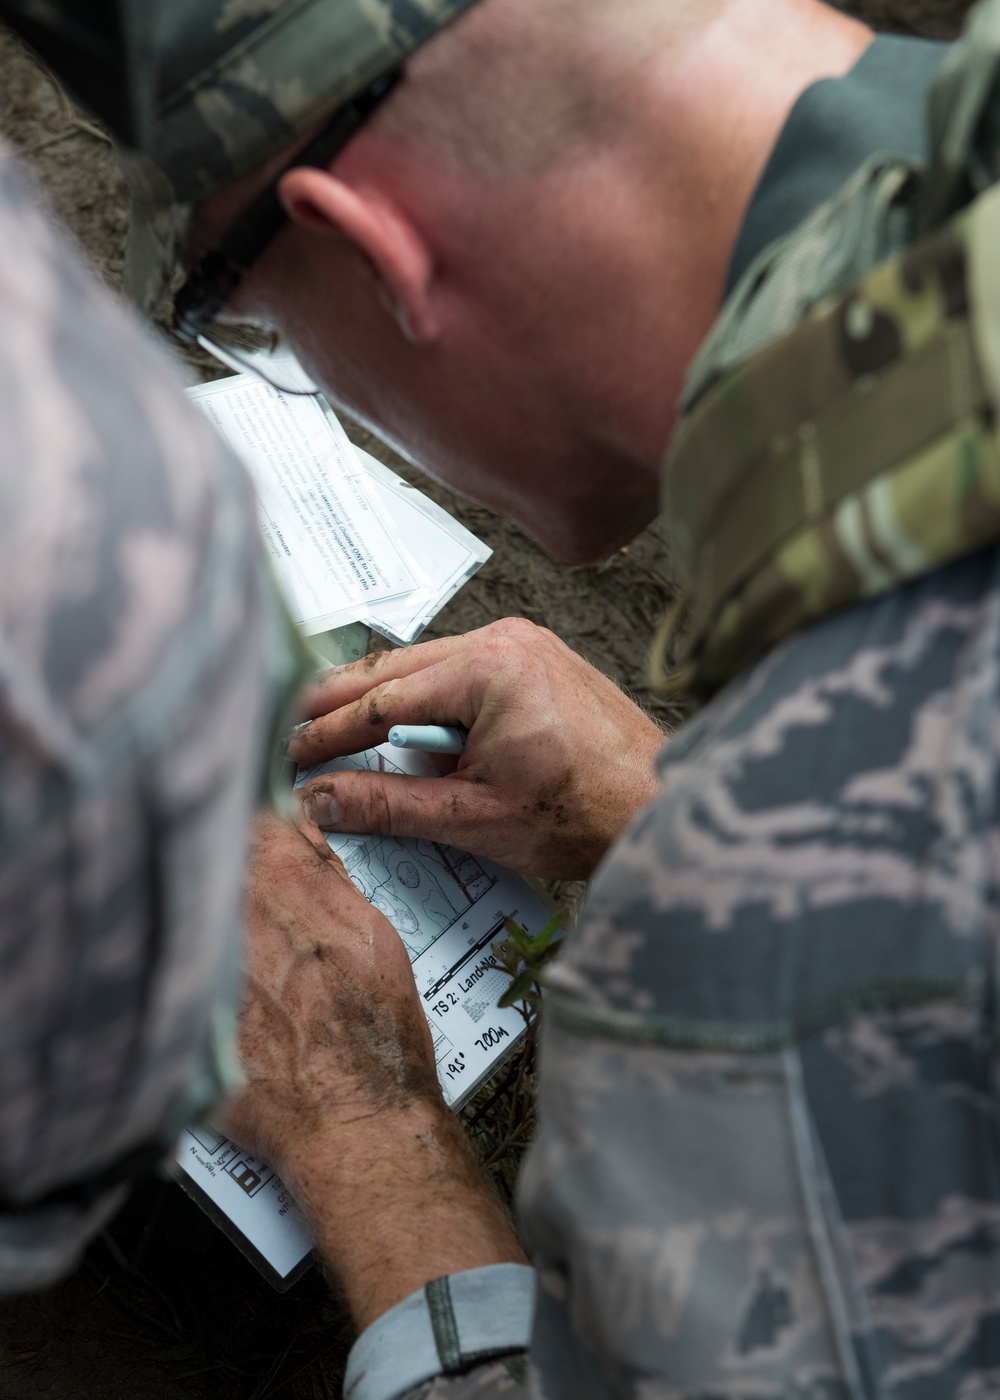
217, 275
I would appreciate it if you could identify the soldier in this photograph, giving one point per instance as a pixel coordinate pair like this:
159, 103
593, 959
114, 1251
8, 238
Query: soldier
767, 1157
146, 665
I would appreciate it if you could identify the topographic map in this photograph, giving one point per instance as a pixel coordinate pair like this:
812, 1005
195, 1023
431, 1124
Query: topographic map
423, 900
420, 886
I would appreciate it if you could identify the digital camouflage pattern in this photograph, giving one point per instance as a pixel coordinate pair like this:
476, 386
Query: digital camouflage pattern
768, 1159
837, 442
770, 1136
238, 80
143, 658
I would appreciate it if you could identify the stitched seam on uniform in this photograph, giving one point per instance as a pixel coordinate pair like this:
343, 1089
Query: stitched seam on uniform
442, 1315
800, 1122
684, 1032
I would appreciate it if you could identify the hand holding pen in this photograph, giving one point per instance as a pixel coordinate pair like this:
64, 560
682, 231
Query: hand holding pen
557, 760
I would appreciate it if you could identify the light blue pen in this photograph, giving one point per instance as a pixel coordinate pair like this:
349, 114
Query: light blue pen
428, 738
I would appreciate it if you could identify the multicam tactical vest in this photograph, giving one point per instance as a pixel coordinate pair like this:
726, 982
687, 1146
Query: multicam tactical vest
841, 430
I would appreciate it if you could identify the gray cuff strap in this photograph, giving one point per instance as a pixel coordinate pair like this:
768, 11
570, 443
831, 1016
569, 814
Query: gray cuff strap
448, 1326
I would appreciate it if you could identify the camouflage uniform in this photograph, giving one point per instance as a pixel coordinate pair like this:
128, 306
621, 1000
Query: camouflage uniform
768, 1160
142, 658
841, 430
768, 1156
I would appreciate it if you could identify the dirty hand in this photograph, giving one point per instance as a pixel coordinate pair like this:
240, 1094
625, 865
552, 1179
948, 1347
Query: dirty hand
342, 1093
331, 1027
557, 762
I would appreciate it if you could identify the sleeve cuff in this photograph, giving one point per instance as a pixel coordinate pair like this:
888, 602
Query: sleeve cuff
450, 1325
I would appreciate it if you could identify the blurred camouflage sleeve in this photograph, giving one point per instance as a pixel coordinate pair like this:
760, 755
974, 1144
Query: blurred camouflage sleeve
768, 1157
142, 658
768, 1160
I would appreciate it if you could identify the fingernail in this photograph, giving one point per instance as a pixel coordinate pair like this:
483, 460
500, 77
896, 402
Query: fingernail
322, 809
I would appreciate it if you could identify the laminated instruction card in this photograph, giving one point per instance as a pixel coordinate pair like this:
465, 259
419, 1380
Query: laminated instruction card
350, 541
448, 907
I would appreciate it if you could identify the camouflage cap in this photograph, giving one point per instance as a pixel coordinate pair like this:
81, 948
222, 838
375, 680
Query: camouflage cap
237, 80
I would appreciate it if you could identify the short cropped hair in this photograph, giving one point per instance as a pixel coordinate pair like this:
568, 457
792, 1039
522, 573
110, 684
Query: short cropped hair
515, 86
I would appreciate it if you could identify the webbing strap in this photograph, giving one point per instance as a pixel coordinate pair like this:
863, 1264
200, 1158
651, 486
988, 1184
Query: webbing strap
800, 478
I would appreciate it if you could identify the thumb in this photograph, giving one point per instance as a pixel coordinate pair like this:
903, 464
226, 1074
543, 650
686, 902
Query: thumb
317, 815
321, 809
389, 804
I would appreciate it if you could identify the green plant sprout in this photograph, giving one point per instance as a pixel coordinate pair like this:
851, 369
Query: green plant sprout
524, 959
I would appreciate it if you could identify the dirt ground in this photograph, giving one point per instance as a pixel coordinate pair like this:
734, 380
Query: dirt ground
163, 1306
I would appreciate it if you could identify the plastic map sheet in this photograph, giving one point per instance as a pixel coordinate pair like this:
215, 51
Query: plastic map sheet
448, 907
248, 1201
349, 540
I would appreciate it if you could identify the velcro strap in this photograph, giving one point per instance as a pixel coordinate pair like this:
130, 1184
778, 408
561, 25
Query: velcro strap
448, 1327
853, 453
879, 422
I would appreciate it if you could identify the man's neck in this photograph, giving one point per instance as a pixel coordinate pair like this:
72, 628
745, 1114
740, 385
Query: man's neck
704, 157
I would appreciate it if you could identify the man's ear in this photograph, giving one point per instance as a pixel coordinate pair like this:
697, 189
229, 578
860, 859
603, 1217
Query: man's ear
381, 231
